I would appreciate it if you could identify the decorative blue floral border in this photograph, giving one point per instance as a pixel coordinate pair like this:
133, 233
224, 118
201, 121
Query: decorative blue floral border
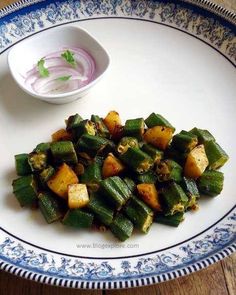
219, 241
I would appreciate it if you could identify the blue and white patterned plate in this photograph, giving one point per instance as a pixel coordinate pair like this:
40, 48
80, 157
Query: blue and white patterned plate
175, 57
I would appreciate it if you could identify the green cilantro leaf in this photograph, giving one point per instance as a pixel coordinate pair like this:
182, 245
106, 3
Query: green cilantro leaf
64, 78
43, 72
69, 57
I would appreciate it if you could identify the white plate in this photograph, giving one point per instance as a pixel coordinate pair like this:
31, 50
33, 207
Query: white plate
154, 67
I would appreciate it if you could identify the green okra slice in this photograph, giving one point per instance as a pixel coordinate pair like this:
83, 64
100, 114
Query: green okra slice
125, 143
176, 155
43, 147
169, 170
115, 195
84, 127
100, 209
139, 213
121, 227
78, 218
174, 198
22, 164
190, 188
147, 177
154, 153
137, 160
134, 128
37, 161
130, 183
217, 157
92, 176
25, 190
172, 220
211, 182
50, 207
157, 120
184, 141
73, 122
100, 126
203, 135
63, 151
46, 174
91, 144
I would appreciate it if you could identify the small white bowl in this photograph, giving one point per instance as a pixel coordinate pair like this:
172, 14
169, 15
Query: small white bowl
27, 53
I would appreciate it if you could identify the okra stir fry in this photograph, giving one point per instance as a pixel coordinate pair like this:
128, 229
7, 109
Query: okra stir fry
100, 173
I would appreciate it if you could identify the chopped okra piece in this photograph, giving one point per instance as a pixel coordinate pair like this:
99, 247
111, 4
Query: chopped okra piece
50, 207
130, 183
43, 147
169, 170
137, 160
25, 190
154, 153
91, 144
174, 198
184, 141
84, 127
37, 161
190, 188
78, 218
100, 209
157, 120
172, 220
115, 191
134, 128
176, 155
64, 152
46, 174
147, 177
211, 183
217, 157
202, 135
102, 129
92, 175
73, 121
127, 142
121, 227
22, 164
139, 213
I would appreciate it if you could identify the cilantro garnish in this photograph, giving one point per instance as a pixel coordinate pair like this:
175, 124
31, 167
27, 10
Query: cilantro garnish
43, 72
64, 78
69, 57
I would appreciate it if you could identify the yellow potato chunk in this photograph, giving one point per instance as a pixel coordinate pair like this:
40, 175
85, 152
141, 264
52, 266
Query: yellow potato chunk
112, 121
59, 182
78, 196
61, 135
149, 194
196, 162
112, 166
159, 136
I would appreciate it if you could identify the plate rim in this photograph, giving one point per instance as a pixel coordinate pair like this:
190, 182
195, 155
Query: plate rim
128, 282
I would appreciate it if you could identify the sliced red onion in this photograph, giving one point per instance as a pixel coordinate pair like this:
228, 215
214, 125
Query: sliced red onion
80, 75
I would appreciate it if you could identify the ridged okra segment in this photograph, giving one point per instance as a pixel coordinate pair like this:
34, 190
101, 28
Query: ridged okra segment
174, 198
37, 161
43, 147
169, 170
115, 191
22, 165
211, 182
217, 157
127, 142
64, 152
130, 184
137, 160
84, 127
100, 209
184, 141
46, 174
49, 206
25, 190
121, 227
154, 153
139, 213
102, 129
73, 122
92, 176
91, 144
134, 128
157, 120
203, 135
172, 220
78, 218
147, 177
